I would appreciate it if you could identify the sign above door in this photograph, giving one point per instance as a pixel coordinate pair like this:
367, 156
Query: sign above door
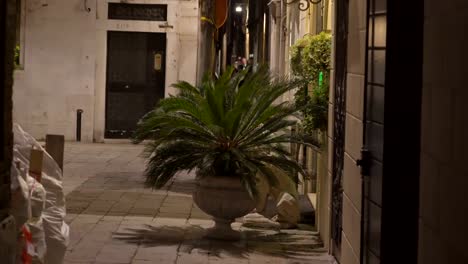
146, 12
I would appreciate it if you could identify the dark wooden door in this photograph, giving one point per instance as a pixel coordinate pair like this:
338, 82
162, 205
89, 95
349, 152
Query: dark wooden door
136, 68
372, 156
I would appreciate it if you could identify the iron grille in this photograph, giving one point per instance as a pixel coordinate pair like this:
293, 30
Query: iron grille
339, 118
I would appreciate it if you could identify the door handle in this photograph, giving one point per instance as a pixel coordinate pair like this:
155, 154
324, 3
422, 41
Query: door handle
365, 162
127, 86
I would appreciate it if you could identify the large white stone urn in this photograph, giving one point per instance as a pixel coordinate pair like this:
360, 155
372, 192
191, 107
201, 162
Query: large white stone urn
225, 199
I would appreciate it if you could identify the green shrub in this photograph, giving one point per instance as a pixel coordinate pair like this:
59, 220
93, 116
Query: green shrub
310, 62
17, 56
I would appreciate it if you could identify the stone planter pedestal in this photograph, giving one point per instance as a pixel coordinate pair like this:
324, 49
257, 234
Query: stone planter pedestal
225, 199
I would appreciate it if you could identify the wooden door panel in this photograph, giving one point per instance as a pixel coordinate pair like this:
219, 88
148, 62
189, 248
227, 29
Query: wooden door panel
134, 84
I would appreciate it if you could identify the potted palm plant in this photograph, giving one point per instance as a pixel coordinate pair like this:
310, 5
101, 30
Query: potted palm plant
231, 131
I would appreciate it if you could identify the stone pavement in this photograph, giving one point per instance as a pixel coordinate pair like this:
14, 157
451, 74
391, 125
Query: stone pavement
114, 219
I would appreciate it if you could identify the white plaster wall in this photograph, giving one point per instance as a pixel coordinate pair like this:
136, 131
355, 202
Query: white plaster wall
65, 62
188, 40
325, 174
299, 26
275, 45
58, 75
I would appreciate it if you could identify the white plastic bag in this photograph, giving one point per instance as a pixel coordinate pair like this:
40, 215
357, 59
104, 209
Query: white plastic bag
27, 207
23, 142
288, 209
20, 193
285, 195
57, 231
57, 239
37, 197
36, 228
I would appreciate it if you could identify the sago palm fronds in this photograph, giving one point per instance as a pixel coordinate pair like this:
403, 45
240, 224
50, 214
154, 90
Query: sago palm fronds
230, 127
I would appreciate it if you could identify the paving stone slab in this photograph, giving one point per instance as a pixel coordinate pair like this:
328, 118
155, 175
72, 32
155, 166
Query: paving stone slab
109, 213
255, 258
130, 196
110, 218
136, 219
173, 215
143, 211
77, 232
147, 204
117, 254
69, 217
154, 196
159, 253
142, 262
86, 253
193, 258
78, 204
201, 216
180, 209
167, 221
228, 260
111, 195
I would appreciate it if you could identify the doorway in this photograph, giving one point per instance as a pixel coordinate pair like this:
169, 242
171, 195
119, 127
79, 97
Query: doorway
135, 81
390, 163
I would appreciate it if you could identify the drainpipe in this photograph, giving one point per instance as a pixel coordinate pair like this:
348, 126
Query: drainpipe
79, 114
281, 46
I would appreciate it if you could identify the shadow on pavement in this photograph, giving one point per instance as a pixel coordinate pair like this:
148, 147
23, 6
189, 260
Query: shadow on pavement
285, 243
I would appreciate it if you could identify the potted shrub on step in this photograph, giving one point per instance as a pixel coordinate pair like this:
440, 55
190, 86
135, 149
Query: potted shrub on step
230, 131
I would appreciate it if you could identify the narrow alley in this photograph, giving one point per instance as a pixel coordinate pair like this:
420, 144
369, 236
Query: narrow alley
114, 219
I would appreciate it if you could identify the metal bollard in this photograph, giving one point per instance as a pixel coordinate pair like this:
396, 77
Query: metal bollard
79, 113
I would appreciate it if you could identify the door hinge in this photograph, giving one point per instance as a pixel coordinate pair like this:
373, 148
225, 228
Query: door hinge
364, 162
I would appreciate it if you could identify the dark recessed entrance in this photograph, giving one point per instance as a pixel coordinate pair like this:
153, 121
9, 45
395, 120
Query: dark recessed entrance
391, 157
136, 69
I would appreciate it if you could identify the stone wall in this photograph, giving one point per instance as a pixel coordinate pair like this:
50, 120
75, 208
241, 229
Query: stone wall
444, 142
324, 180
58, 69
65, 62
352, 193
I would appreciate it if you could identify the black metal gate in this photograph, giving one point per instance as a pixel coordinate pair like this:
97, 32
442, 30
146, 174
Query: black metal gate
372, 169
136, 69
339, 121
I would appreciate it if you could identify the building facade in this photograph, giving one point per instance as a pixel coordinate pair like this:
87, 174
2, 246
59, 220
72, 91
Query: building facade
397, 131
396, 124
288, 23
70, 52
397, 104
